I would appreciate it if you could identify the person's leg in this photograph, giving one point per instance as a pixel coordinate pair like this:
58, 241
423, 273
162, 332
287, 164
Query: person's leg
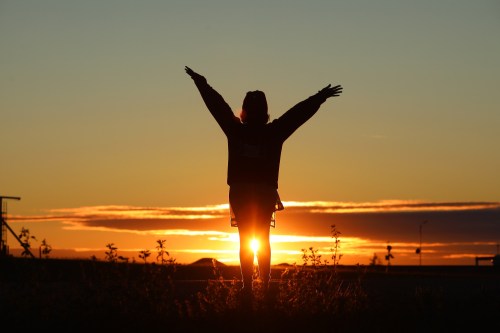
264, 256
246, 256
266, 202
239, 201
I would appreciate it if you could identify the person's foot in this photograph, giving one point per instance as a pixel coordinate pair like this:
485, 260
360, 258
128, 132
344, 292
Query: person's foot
265, 287
246, 299
270, 294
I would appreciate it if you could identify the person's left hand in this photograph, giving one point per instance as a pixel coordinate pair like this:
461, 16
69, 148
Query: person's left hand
330, 91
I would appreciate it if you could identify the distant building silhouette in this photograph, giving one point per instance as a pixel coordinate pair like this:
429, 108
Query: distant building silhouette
495, 260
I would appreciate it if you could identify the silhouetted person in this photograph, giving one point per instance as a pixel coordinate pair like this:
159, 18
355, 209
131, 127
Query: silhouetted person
254, 147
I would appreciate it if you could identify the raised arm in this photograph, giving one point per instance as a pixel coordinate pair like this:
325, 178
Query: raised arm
219, 109
291, 120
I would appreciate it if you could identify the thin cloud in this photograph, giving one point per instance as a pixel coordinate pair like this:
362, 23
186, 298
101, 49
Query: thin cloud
123, 213
228, 251
388, 206
203, 212
159, 232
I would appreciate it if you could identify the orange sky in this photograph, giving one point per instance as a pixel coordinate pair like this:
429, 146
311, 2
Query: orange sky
106, 139
454, 232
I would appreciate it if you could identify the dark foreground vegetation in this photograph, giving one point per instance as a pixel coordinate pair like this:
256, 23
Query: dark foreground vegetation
89, 295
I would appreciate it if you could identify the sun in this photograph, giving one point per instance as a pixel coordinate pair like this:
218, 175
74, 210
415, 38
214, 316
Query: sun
254, 245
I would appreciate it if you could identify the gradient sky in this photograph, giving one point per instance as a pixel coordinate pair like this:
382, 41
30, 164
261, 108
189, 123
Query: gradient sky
97, 111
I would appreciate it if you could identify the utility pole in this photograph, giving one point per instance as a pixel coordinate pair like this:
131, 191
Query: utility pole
419, 250
4, 249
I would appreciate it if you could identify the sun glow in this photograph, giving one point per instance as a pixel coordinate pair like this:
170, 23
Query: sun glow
254, 244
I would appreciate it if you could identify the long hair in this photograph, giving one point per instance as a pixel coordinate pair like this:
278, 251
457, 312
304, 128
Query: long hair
254, 109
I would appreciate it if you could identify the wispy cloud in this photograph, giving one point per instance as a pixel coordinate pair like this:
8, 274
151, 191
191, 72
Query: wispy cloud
167, 213
388, 206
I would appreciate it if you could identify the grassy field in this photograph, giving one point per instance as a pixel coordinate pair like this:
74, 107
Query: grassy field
86, 295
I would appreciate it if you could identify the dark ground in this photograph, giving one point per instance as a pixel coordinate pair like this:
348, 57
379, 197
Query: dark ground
85, 295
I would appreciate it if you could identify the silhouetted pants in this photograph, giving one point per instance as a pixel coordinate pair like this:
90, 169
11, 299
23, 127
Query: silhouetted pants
253, 205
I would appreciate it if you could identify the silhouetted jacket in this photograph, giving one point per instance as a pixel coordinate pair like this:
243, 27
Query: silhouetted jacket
255, 150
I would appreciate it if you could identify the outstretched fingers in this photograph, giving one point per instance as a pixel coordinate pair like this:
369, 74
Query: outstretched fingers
336, 91
189, 71
330, 91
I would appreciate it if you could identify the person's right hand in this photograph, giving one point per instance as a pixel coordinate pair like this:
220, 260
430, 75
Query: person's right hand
195, 76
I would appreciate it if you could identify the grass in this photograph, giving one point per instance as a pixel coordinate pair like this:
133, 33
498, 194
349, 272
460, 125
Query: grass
317, 296
84, 295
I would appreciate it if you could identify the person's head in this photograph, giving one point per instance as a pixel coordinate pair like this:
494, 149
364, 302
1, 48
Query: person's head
254, 109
